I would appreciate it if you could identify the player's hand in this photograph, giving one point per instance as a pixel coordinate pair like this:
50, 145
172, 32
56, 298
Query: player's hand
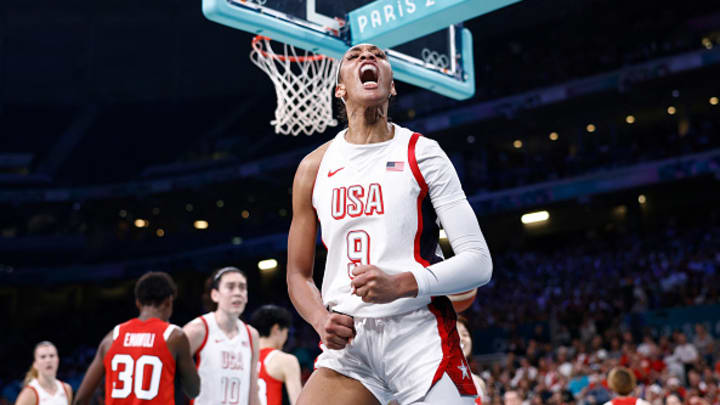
336, 330
375, 286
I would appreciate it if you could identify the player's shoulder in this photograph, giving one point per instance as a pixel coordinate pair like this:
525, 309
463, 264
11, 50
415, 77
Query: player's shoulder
28, 395
253, 332
311, 161
196, 322
282, 357
425, 145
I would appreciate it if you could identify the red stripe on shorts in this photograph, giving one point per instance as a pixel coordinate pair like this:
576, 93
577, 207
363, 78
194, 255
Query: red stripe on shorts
453, 362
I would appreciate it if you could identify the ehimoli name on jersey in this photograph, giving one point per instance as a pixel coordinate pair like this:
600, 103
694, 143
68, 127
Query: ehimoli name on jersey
357, 200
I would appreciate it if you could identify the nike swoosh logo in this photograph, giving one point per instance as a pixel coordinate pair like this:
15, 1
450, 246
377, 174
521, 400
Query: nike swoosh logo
332, 173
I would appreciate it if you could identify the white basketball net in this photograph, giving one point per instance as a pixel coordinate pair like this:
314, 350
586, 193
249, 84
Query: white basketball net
303, 86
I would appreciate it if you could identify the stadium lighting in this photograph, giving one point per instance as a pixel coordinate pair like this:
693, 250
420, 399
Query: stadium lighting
245, 214
671, 110
201, 224
443, 235
220, 203
267, 264
141, 223
714, 100
189, 207
630, 119
554, 136
642, 199
517, 144
535, 217
122, 213
591, 128
160, 232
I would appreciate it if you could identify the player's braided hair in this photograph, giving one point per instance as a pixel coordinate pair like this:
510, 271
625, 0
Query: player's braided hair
155, 287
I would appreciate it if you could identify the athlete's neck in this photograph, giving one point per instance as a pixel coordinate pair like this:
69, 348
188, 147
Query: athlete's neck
47, 382
270, 342
227, 322
148, 312
368, 125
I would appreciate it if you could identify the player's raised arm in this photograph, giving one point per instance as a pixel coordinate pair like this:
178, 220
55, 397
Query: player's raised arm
185, 366
94, 375
335, 330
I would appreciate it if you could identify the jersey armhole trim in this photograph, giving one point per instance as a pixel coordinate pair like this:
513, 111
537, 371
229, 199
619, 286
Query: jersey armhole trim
68, 391
37, 394
315, 180
168, 331
412, 160
205, 339
116, 332
268, 356
250, 338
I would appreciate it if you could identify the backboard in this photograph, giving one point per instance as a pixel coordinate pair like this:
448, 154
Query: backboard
425, 45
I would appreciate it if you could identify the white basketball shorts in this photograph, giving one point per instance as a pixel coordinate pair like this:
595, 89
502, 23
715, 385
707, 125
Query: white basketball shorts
402, 356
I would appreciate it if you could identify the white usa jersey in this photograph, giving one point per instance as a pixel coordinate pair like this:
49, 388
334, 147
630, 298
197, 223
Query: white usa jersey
224, 365
376, 205
60, 397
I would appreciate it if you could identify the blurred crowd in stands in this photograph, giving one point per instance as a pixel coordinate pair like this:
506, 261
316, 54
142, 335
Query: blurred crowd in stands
608, 39
585, 301
580, 153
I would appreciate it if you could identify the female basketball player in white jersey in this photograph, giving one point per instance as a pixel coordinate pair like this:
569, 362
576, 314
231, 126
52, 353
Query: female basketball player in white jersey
377, 190
225, 348
41, 385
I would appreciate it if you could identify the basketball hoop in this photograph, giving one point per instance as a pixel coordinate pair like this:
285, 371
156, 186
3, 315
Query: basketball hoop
303, 86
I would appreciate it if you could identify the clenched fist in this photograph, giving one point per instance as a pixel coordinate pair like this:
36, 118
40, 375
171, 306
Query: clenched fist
375, 286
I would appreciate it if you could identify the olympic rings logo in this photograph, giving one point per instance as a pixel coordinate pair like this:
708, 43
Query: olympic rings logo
434, 58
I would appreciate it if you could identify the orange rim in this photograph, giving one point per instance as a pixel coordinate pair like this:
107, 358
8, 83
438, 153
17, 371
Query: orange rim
297, 59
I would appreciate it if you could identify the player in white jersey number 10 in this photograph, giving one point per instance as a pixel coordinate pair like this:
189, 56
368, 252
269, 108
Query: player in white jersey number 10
225, 348
380, 193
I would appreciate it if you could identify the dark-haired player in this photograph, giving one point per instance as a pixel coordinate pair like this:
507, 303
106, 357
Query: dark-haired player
140, 357
225, 348
276, 367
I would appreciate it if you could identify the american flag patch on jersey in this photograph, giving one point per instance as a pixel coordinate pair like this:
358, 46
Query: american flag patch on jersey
395, 166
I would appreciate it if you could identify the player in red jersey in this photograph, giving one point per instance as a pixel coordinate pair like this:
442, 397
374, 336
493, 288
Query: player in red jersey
139, 358
622, 381
276, 367
41, 386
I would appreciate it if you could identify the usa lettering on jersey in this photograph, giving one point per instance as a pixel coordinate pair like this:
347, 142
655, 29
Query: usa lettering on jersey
357, 200
232, 360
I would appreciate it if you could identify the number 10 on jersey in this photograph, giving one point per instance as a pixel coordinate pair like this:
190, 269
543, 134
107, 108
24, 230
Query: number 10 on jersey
358, 250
